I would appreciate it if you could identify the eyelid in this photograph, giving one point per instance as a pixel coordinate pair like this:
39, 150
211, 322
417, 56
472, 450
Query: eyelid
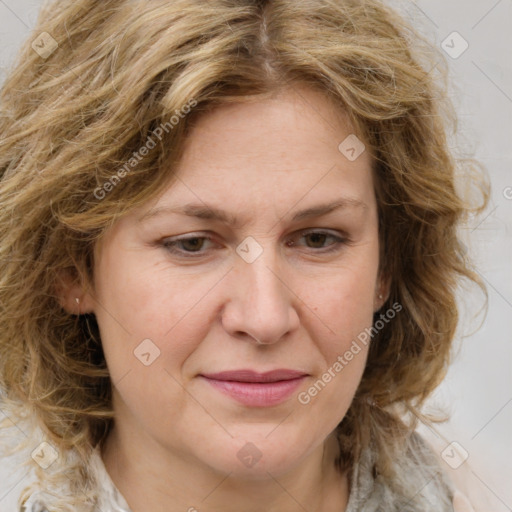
323, 231
180, 238
341, 239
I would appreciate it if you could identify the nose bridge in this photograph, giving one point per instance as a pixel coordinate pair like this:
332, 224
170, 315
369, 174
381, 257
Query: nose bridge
263, 279
262, 301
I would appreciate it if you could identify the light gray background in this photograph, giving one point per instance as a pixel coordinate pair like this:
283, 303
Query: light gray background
478, 389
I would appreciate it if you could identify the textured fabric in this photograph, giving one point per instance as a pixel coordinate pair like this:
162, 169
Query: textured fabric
424, 486
109, 497
420, 484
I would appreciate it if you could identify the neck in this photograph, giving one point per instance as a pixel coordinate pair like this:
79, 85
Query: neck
150, 478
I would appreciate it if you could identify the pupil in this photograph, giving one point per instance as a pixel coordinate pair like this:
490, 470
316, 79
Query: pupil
315, 238
193, 243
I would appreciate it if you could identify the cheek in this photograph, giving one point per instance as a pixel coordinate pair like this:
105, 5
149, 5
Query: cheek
342, 303
150, 302
150, 321
343, 309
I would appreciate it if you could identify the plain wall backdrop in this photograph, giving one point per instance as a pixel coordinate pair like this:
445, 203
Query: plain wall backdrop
478, 389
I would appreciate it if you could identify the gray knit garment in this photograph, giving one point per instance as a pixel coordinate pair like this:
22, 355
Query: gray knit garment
420, 486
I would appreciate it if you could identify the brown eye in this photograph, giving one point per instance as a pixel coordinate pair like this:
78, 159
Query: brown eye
317, 239
192, 245
320, 240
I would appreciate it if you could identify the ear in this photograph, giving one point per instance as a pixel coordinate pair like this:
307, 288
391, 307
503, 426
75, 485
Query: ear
71, 293
382, 291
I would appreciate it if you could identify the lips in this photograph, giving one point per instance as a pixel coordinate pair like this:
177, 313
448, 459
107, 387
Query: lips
252, 376
256, 389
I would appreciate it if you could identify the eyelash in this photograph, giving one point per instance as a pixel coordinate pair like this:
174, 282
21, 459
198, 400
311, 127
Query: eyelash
170, 245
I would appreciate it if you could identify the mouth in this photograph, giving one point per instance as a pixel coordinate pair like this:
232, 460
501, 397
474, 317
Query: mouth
256, 389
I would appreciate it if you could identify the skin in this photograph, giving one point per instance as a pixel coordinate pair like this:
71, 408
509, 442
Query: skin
175, 440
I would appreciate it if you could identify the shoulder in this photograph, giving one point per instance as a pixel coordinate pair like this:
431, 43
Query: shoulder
425, 451
418, 484
102, 496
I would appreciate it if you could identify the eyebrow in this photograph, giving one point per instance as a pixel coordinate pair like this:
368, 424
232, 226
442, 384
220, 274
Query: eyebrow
203, 211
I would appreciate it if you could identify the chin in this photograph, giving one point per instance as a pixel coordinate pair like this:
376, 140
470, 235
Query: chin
254, 457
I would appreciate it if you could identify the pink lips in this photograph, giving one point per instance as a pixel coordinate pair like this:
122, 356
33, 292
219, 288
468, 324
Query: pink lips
256, 389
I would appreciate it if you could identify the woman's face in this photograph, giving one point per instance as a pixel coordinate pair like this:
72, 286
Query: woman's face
261, 256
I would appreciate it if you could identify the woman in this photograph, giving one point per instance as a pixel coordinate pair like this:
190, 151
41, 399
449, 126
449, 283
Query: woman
229, 257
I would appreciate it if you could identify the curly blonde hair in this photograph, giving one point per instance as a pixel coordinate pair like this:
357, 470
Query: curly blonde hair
103, 77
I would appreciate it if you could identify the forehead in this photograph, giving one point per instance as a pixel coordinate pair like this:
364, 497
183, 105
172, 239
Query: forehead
265, 163
295, 143
294, 122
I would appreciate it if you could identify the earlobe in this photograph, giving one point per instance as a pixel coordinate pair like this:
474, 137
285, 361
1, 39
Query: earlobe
71, 294
382, 292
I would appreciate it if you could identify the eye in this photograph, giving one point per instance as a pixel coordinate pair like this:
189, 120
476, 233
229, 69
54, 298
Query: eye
194, 245
318, 238
186, 246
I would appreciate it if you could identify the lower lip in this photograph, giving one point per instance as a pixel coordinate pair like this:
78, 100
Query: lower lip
257, 394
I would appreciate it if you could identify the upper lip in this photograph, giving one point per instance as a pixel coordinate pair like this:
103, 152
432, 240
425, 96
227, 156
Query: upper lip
252, 376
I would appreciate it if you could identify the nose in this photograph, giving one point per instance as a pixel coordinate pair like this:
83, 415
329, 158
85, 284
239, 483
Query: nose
260, 305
